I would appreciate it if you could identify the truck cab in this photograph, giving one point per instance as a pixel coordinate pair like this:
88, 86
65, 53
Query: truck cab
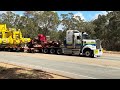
79, 43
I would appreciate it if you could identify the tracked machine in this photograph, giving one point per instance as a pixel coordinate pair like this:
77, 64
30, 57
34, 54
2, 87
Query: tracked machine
11, 39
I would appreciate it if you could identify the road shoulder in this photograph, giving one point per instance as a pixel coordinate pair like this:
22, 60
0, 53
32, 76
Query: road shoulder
10, 71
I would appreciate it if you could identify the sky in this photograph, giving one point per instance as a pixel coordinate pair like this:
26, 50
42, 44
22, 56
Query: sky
85, 15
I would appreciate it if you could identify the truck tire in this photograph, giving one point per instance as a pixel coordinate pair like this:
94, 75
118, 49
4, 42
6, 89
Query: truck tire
88, 53
52, 51
59, 51
18, 50
33, 51
45, 51
9, 50
26, 51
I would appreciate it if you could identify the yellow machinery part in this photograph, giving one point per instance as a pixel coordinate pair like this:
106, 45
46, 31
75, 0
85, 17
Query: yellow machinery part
11, 36
5, 41
16, 37
25, 40
16, 42
0, 40
10, 41
3, 28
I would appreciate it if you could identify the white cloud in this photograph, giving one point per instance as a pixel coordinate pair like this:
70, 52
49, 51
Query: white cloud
5, 12
100, 13
79, 14
103, 12
54, 11
109, 11
60, 27
20, 15
2, 12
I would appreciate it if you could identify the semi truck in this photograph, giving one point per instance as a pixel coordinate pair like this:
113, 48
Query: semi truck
75, 43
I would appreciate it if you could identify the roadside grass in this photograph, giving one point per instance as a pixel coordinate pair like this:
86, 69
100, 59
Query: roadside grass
111, 52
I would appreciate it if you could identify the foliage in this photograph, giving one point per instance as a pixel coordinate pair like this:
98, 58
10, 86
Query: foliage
105, 27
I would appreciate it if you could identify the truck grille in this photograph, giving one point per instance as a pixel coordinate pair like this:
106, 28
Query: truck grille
98, 43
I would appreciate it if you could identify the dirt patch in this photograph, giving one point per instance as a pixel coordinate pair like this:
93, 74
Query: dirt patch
8, 71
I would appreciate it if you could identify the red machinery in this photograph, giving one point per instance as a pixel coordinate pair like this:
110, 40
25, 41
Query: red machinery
40, 43
42, 38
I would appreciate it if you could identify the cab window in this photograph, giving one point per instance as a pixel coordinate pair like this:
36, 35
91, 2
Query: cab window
78, 37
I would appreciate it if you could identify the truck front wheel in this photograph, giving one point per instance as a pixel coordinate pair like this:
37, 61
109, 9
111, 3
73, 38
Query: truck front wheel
88, 53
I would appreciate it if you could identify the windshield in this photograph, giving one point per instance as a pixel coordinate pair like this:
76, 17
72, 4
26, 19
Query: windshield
85, 36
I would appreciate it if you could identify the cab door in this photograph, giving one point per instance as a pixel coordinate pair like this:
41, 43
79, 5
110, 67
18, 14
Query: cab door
77, 40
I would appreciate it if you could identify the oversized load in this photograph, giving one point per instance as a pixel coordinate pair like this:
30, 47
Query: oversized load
11, 37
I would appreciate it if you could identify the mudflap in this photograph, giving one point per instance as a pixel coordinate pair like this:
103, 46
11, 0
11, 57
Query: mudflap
92, 54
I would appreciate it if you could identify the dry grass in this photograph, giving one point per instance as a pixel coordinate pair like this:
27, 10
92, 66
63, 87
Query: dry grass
112, 52
8, 71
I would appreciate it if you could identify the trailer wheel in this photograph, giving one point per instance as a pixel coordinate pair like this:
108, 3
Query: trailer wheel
18, 50
59, 51
45, 51
32, 50
25, 51
52, 51
9, 50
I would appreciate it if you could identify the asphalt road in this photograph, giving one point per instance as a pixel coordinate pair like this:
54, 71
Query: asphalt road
65, 65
